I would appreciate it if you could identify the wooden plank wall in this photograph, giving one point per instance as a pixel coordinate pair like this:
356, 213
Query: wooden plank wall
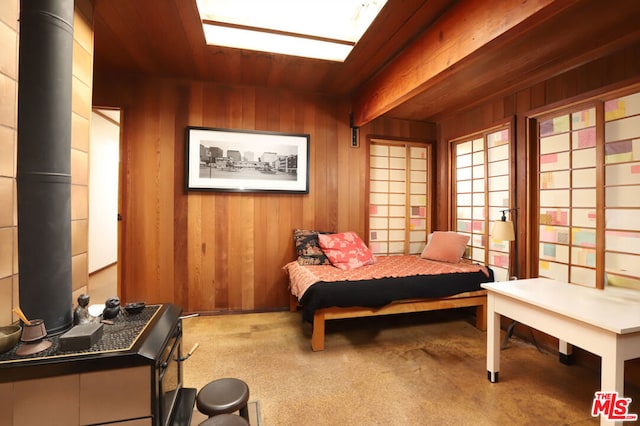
620, 69
225, 251
613, 71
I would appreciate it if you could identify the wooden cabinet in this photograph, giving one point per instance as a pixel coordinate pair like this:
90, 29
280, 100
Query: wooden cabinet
79, 399
107, 396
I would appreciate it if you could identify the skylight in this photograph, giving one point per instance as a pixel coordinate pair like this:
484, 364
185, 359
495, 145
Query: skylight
321, 29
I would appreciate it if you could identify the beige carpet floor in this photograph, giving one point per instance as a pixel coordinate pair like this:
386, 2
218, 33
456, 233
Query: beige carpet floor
417, 369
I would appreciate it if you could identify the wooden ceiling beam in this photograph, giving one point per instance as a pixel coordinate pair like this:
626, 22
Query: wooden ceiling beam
464, 29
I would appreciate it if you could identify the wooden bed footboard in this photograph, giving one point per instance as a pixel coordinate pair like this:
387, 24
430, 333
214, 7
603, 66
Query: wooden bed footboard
473, 298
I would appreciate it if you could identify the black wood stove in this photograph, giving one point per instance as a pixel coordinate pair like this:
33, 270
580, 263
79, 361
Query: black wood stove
143, 352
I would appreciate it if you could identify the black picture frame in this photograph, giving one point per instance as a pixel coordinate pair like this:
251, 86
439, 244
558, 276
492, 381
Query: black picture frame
231, 160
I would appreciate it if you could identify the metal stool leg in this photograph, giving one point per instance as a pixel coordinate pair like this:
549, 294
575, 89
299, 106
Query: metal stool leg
244, 412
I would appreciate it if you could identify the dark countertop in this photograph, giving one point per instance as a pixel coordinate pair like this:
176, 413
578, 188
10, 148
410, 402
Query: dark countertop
132, 340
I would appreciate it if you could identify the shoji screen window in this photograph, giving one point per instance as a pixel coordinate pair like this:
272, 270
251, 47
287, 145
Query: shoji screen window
622, 191
589, 226
567, 183
482, 177
399, 197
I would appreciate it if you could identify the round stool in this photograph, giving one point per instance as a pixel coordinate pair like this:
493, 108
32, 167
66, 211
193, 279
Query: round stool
225, 420
224, 396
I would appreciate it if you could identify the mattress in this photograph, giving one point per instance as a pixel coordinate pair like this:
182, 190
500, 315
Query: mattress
391, 279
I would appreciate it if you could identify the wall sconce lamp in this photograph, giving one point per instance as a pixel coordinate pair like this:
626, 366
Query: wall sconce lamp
355, 142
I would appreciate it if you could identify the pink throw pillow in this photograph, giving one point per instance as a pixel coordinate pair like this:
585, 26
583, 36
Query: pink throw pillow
445, 247
346, 250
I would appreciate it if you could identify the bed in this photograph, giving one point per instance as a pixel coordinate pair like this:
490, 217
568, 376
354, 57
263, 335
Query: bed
389, 285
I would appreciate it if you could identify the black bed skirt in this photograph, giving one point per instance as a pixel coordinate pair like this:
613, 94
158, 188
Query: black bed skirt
380, 292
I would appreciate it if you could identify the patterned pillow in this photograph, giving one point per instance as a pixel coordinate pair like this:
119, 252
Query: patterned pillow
445, 246
346, 250
308, 249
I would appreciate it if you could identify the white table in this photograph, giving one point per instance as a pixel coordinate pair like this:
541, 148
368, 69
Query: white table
598, 321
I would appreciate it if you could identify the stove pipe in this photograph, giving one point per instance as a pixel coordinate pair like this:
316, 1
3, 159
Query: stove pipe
44, 161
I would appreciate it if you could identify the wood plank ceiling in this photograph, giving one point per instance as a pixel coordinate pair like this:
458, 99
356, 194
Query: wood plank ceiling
164, 38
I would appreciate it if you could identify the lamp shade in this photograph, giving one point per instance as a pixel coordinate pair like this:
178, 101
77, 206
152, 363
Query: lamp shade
503, 231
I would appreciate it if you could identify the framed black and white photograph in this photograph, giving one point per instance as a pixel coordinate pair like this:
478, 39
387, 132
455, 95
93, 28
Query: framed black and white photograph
246, 161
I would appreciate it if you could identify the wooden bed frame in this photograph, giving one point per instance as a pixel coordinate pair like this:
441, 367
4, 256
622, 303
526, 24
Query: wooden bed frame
476, 298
